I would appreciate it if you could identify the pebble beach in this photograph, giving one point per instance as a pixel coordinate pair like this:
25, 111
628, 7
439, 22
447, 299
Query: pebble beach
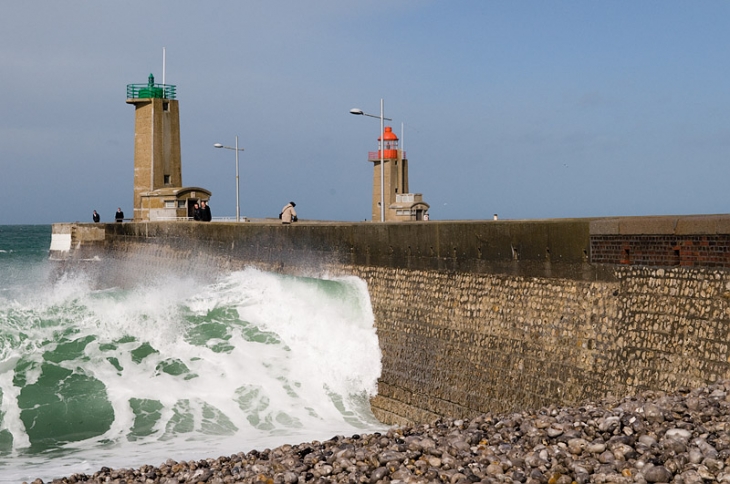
652, 437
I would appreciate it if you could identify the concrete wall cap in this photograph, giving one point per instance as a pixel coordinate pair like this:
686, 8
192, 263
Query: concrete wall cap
604, 227
647, 225
696, 225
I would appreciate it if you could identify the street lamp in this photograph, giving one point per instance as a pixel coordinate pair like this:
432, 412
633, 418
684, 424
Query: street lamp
237, 149
359, 112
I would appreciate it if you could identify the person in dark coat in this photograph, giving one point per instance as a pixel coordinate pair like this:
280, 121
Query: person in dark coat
119, 216
205, 209
95, 217
197, 213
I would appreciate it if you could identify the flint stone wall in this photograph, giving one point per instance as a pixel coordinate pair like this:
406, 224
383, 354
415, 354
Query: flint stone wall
475, 317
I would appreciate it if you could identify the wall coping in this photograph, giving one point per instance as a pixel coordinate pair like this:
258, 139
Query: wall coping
662, 225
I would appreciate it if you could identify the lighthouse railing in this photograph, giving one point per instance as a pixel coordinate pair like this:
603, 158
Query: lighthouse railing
145, 91
388, 154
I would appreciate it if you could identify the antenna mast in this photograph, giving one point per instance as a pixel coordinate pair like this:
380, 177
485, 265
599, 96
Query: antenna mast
163, 65
402, 141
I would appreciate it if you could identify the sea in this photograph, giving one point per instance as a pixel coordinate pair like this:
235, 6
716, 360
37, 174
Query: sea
173, 367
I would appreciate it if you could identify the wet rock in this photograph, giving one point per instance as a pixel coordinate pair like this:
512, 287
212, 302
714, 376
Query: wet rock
576, 446
691, 476
653, 413
657, 474
378, 474
682, 435
595, 448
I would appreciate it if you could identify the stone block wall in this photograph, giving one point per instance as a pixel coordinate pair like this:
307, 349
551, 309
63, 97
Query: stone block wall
676, 327
461, 344
457, 344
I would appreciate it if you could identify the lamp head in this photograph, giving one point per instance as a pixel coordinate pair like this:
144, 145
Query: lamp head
218, 145
356, 111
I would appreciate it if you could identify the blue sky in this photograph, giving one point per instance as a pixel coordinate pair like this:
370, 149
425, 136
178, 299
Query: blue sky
528, 109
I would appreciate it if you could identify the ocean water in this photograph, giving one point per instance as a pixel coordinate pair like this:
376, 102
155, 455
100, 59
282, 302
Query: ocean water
174, 368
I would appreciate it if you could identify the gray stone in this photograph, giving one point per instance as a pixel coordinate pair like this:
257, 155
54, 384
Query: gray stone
657, 474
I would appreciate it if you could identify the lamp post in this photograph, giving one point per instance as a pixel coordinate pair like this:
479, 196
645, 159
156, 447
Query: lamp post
237, 149
359, 112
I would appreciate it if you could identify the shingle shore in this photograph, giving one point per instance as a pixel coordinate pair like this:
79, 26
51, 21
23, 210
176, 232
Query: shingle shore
653, 437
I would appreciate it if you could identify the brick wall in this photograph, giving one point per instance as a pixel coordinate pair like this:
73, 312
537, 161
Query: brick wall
668, 241
662, 250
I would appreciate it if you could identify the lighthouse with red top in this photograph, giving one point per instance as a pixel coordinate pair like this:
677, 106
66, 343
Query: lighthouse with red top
400, 205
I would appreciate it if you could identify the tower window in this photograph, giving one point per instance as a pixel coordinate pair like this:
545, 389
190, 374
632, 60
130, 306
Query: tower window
167, 179
165, 106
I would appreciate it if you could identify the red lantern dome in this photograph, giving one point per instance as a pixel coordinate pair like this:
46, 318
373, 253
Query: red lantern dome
389, 143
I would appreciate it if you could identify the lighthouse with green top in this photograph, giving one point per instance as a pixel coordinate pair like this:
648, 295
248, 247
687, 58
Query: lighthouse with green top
158, 190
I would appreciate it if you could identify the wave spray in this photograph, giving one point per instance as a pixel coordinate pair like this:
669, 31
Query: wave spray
178, 369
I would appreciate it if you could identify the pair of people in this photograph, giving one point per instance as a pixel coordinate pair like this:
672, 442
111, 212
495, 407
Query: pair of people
288, 214
202, 212
119, 216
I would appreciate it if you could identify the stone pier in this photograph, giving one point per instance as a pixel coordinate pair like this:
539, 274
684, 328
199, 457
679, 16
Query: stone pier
479, 316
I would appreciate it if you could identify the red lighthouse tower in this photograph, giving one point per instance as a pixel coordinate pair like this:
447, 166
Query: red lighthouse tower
399, 204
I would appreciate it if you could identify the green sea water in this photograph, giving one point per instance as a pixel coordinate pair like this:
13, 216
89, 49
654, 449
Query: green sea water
173, 368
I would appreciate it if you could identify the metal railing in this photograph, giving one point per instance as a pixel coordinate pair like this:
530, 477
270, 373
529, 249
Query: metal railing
168, 219
229, 219
214, 219
145, 91
387, 154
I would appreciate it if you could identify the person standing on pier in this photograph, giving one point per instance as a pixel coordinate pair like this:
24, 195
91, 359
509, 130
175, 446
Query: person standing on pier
205, 212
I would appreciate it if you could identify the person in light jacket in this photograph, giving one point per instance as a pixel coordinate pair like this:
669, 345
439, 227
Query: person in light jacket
288, 214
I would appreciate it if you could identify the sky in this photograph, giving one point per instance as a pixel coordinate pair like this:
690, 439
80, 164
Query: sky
527, 109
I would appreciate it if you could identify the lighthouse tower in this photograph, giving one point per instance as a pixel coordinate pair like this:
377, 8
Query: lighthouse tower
158, 190
400, 205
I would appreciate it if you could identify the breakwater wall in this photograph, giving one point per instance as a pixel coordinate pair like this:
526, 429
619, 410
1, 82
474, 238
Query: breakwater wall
481, 316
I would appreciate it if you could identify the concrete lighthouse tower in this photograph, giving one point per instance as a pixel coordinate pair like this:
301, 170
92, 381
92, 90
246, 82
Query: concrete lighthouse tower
158, 190
400, 205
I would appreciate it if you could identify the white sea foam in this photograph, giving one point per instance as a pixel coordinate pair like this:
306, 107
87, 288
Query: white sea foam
251, 361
